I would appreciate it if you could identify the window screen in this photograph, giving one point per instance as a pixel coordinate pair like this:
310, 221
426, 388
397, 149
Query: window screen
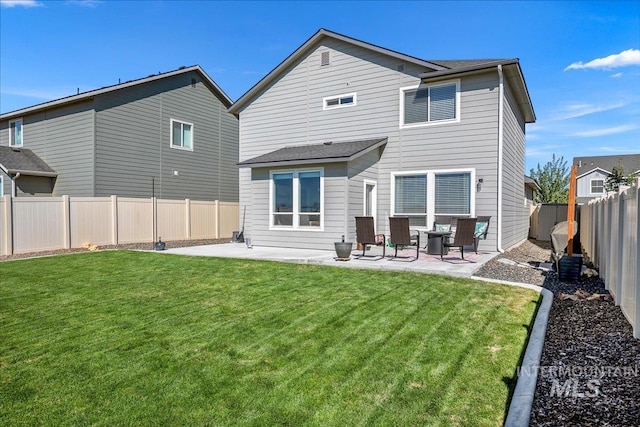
453, 193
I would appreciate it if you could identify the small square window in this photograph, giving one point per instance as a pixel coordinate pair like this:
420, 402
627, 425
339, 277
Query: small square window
181, 135
597, 186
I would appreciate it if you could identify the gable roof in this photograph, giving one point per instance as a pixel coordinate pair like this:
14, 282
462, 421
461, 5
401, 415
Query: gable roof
530, 182
630, 163
433, 69
328, 152
15, 160
86, 95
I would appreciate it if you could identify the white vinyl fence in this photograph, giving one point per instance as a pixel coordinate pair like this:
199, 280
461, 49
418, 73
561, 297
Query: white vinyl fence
32, 224
609, 230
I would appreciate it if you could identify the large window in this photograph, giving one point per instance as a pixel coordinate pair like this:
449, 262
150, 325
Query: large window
181, 135
453, 194
297, 199
420, 105
15, 133
422, 195
411, 198
597, 186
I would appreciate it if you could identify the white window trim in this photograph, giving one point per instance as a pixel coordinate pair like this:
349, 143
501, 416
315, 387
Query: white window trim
11, 142
296, 200
429, 123
431, 192
374, 202
591, 185
334, 107
193, 138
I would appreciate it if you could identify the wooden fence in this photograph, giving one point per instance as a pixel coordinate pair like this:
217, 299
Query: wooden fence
32, 224
609, 234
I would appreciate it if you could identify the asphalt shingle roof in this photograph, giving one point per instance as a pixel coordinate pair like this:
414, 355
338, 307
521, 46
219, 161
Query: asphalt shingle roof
23, 160
326, 152
630, 162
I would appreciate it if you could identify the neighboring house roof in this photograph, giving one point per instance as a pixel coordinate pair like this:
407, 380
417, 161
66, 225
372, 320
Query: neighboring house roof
586, 165
15, 160
86, 95
530, 182
438, 68
328, 152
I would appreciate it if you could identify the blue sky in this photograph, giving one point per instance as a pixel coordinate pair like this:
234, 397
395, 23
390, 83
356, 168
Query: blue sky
581, 60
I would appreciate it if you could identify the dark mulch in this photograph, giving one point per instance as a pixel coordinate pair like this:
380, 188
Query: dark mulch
589, 374
590, 366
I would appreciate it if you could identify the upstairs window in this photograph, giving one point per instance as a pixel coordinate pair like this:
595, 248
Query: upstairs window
420, 105
15, 133
339, 101
597, 186
181, 135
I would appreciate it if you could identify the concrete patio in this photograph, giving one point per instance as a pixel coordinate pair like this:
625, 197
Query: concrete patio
452, 264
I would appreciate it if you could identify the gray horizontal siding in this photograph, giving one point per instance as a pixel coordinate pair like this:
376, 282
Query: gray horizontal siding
583, 185
290, 113
63, 138
335, 187
131, 151
515, 223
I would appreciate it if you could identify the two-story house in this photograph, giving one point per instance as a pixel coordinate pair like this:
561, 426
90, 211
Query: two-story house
167, 135
593, 172
343, 128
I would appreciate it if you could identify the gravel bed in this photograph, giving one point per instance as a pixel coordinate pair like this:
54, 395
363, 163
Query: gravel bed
589, 373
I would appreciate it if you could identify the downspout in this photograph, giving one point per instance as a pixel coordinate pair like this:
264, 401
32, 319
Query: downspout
500, 154
13, 184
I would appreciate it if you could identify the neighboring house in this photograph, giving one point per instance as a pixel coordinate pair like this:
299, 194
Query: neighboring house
343, 128
530, 188
167, 134
593, 172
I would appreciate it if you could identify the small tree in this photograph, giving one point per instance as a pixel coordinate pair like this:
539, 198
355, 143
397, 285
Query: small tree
618, 178
553, 179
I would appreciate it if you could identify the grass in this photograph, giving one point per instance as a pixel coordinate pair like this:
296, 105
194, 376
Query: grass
131, 338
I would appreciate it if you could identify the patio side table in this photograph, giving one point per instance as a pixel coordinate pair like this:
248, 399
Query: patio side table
434, 242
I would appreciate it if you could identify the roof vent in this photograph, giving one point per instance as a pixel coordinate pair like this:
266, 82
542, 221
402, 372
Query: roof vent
324, 58
328, 143
17, 150
182, 67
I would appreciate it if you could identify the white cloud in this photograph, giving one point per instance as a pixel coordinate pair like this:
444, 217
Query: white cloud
84, 3
616, 150
616, 75
622, 59
605, 131
23, 3
571, 111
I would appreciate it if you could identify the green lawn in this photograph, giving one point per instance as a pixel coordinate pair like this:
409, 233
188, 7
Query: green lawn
131, 338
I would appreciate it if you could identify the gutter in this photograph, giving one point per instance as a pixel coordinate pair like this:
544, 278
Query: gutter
13, 184
500, 154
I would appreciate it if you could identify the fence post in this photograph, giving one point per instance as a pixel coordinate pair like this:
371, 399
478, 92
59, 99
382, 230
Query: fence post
187, 206
217, 213
636, 324
7, 227
114, 220
66, 218
154, 220
619, 245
